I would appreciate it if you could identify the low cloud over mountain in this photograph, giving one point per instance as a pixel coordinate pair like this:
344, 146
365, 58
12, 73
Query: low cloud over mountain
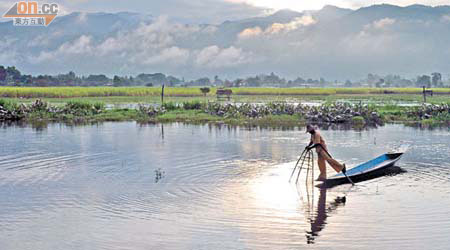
334, 43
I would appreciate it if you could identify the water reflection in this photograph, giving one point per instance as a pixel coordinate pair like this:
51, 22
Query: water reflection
317, 217
317, 211
176, 186
429, 126
41, 125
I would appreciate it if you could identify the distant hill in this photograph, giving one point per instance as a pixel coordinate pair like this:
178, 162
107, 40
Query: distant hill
332, 42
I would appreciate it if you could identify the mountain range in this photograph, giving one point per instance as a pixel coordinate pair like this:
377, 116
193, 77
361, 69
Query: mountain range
333, 42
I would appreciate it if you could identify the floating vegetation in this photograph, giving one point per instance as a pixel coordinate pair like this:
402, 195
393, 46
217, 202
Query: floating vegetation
341, 113
159, 174
358, 120
193, 105
334, 113
9, 111
83, 108
430, 111
39, 106
151, 111
233, 113
170, 106
42, 109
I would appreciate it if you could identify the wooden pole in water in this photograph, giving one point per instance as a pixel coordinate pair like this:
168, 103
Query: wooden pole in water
162, 94
424, 95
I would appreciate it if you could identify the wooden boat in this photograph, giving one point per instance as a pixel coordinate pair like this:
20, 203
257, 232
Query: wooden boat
365, 171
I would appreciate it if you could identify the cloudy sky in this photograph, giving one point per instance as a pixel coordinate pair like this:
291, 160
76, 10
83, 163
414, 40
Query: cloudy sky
332, 43
213, 11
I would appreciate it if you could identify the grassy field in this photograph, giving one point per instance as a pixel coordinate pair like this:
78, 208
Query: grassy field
122, 95
373, 98
71, 92
380, 98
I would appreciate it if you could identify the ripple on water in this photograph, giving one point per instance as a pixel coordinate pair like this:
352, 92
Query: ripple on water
428, 173
35, 168
236, 197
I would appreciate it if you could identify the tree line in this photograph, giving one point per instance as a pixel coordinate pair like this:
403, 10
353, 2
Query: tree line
11, 76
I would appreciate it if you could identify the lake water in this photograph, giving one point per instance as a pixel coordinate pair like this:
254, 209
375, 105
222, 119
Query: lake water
174, 186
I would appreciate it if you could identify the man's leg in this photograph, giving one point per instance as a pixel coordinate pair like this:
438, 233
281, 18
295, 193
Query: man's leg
333, 163
322, 167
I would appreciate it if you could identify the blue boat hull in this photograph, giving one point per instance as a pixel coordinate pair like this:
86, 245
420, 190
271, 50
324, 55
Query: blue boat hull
366, 171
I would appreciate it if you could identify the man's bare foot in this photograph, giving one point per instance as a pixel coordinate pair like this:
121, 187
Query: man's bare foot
321, 178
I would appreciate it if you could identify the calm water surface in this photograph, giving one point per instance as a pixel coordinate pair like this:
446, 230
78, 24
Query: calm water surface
174, 186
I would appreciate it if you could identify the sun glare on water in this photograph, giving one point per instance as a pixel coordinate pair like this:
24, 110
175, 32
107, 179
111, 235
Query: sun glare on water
273, 191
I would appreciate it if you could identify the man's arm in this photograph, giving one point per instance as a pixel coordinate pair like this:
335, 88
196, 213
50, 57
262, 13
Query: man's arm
311, 142
315, 142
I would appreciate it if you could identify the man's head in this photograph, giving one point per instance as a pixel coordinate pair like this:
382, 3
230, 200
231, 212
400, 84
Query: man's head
310, 129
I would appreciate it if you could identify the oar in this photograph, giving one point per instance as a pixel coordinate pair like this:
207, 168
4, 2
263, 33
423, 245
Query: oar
350, 180
293, 171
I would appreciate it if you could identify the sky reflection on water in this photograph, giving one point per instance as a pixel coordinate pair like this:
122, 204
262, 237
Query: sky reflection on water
175, 186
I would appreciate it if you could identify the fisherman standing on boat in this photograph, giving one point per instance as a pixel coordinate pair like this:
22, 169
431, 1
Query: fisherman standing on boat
318, 142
